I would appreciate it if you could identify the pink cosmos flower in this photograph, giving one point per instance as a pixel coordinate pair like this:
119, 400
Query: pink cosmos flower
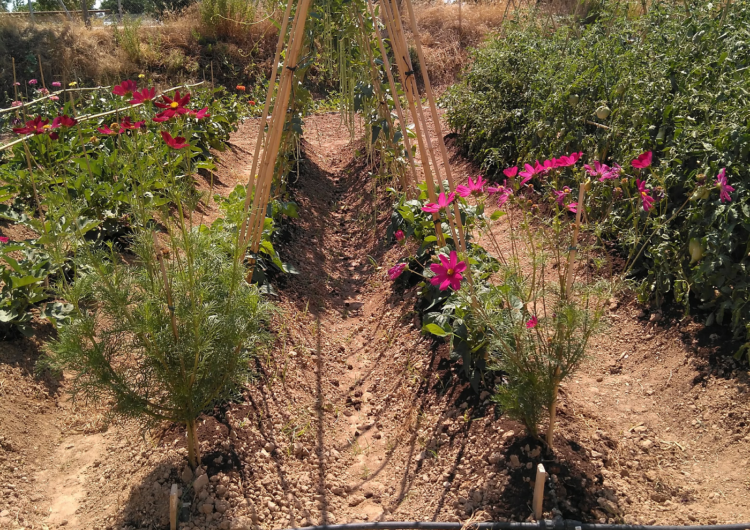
532, 322
473, 188
443, 203
646, 199
43, 91
54, 98
528, 173
400, 236
396, 271
560, 195
63, 121
147, 94
449, 273
603, 171
510, 172
16, 84
643, 160
567, 160
125, 89
56, 84
200, 114
16, 104
724, 188
573, 207
4, 239
504, 192
33, 82
544, 168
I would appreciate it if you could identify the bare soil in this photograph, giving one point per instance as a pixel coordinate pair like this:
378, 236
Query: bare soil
357, 416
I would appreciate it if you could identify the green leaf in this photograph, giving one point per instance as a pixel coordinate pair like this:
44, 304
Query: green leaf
436, 330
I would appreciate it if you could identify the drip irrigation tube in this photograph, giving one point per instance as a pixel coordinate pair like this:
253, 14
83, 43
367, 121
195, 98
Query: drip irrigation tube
559, 524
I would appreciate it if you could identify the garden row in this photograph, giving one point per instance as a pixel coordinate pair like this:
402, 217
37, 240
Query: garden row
675, 82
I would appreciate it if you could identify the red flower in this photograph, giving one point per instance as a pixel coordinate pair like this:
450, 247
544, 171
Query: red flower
252, 103
36, 126
112, 129
127, 124
200, 114
449, 273
532, 322
176, 105
400, 236
643, 160
63, 121
164, 116
510, 172
174, 143
147, 94
125, 89
3, 239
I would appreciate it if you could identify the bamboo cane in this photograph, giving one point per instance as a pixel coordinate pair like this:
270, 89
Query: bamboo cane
396, 101
382, 104
390, 28
436, 121
264, 118
280, 111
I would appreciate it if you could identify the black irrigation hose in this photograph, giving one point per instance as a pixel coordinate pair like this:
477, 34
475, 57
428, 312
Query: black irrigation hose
559, 524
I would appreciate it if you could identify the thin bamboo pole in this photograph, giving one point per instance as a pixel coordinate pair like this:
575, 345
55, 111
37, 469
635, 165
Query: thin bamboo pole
402, 69
280, 111
436, 121
396, 101
382, 104
264, 118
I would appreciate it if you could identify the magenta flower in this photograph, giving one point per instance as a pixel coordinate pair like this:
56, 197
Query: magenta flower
449, 273
567, 160
528, 173
443, 203
396, 271
54, 98
560, 195
573, 207
33, 82
400, 236
603, 171
3, 239
646, 198
473, 188
510, 172
504, 192
546, 167
178, 142
724, 188
643, 160
532, 322
200, 114
56, 84
43, 91
16, 104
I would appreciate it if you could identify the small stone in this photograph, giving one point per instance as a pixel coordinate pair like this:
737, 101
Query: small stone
646, 445
206, 508
508, 434
200, 483
355, 500
484, 395
221, 506
659, 497
187, 475
338, 490
269, 447
221, 489
514, 461
608, 506
496, 458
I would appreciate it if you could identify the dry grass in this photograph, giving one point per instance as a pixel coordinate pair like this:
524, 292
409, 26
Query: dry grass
446, 41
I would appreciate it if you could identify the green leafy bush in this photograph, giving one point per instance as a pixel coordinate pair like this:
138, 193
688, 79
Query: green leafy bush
675, 82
